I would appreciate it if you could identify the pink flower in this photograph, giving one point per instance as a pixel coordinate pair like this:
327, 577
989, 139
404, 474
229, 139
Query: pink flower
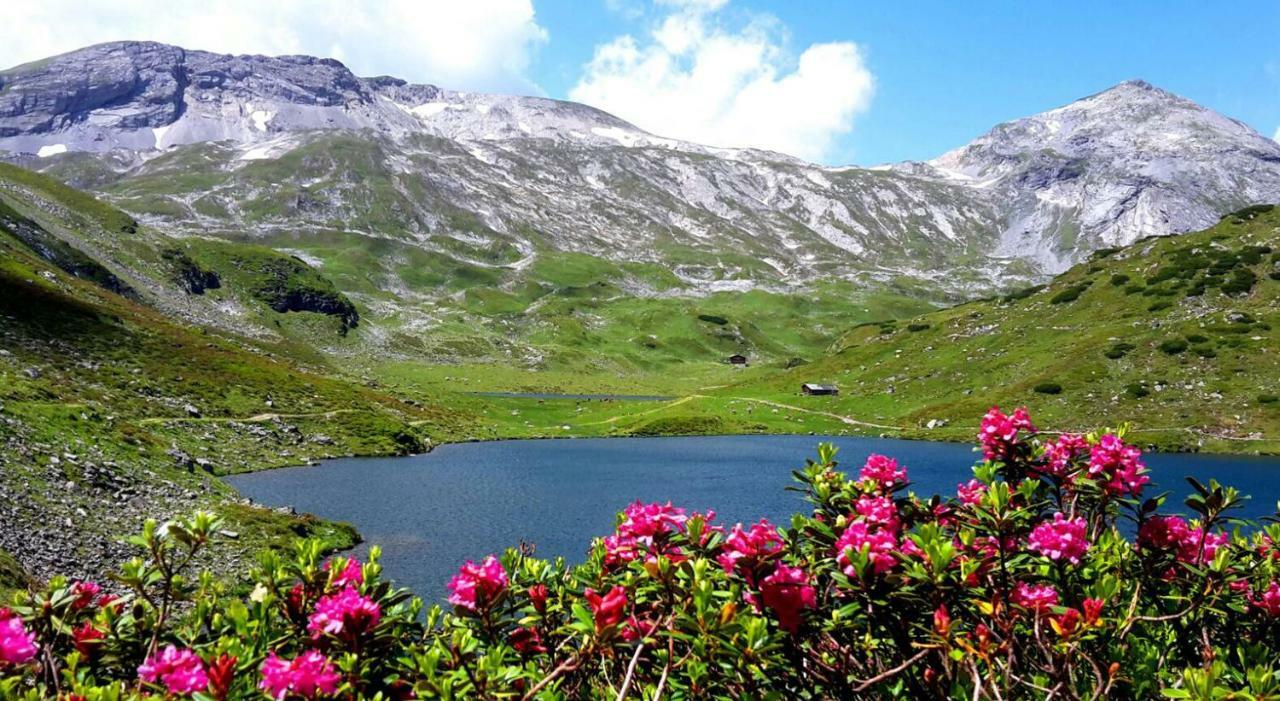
608, 609
999, 433
1269, 602
910, 549
527, 641
1162, 532
747, 548
86, 638
648, 520
787, 592
971, 492
880, 511
1117, 465
346, 613
85, 593
17, 645
1093, 611
538, 597
352, 573
1060, 539
475, 587
879, 546
180, 670
1035, 597
942, 621
1060, 454
619, 550
1172, 532
1190, 550
883, 471
306, 676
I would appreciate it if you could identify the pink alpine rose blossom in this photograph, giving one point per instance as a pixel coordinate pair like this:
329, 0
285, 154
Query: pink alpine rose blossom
608, 610
1193, 551
352, 574
527, 641
85, 593
306, 676
1269, 602
648, 520
477, 586
999, 432
1060, 454
1162, 532
787, 592
1061, 539
880, 511
17, 644
878, 544
1118, 466
882, 471
1190, 545
745, 548
971, 492
180, 670
347, 613
1035, 597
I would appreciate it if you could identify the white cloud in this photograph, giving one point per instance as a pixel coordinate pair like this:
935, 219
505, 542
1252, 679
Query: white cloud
463, 44
694, 78
1276, 136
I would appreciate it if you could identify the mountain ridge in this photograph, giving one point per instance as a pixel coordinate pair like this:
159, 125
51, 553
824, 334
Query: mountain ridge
430, 207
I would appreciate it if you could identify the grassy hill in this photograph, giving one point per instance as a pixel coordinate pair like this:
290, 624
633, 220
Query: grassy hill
1175, 334
112, 409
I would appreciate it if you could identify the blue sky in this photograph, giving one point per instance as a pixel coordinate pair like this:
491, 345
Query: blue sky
946, 72
836, 82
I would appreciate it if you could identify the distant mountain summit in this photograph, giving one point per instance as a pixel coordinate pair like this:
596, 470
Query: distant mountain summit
1106, 170
302, 145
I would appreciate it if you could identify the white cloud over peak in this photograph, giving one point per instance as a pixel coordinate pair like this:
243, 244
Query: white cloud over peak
471, 44
695, 78
1276, 136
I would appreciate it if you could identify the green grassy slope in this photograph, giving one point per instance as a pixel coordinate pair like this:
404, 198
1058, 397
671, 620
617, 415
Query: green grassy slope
437, 284
1174, 334
112, 411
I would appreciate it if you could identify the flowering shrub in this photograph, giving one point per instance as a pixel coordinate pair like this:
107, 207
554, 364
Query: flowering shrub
1026, 584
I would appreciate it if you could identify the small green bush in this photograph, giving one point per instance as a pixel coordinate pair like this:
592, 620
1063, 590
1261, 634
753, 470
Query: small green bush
1173, 346
1241, 282
1204, 351
1022, 294
1197, 338
1160, 305
1119, 280
713, 319
1070, 294
1118, 350
917, 327
1137, 390
1268, 399
1048, 388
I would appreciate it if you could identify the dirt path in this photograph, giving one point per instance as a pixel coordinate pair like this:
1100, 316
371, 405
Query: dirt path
256, 418
615, 419
839, 417
848, 420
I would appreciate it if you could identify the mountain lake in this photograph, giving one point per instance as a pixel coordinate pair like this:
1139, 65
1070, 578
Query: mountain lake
431, 512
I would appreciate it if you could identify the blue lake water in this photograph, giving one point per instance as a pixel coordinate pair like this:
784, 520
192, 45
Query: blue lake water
464, 501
